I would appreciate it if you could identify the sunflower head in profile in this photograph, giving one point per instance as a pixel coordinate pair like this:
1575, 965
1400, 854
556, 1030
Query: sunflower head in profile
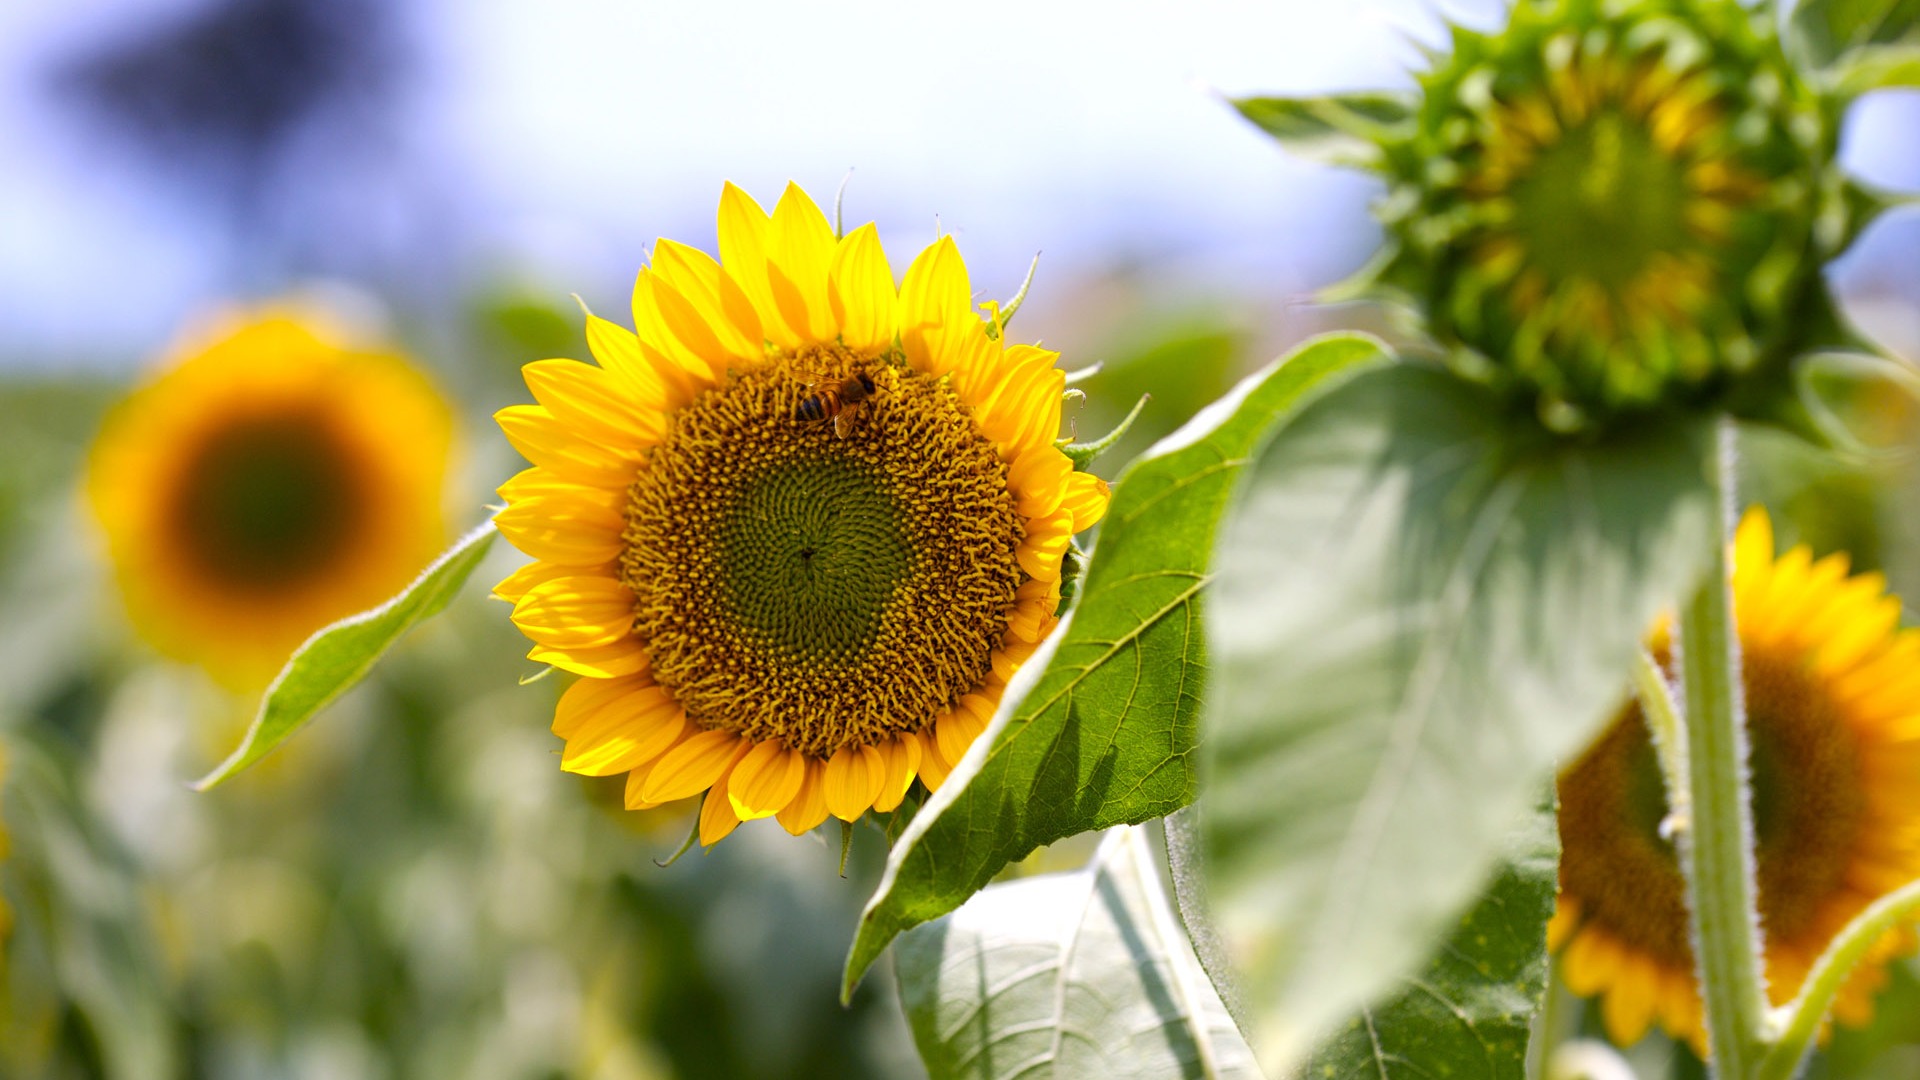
270, 479
1616, 205
1833, 711
796, 529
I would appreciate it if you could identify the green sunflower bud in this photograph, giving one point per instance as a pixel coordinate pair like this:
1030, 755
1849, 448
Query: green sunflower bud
1610, 205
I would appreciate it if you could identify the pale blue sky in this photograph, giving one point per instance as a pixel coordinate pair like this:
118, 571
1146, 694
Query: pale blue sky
555, 140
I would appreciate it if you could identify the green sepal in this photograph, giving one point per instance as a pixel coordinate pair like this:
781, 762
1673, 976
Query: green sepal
1338, 129
1073, 565
1082, 454
846, 844
1877, 67
895, 820
693, 834
1823, 34
1827, 428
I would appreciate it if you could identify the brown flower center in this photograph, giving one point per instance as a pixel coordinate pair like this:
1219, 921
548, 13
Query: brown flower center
826, 591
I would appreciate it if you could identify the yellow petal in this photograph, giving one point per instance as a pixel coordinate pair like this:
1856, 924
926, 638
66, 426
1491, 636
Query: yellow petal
1024, 408
1010, 657
595, 403
902, 754
799, 259
743, 252
1086, 499
934, 769
1046, 542
809, 808
1038, 479
716, 297
550, 444
854, 777
521, 581
625, 733
766, 780
692, 766
1565, 920
936, 308
956, 731
627, 657
1590, 963
861, 291
1628, 1007
576, 612
535, 481
587, 697
717, 818
669, 326
568, 529
652, 382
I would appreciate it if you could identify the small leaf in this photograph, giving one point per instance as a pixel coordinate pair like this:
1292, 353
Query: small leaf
1822, 32
1467, 1015
1098, 728
1083, 454
336, 657
1077, 974
1420, 610
1339, 129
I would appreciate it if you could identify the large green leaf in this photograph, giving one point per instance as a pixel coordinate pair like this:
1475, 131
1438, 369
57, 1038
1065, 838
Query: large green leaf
1418, 612
1823, 32
1466, 1015
1098, 728
1084, 974
1339, 129
338, 656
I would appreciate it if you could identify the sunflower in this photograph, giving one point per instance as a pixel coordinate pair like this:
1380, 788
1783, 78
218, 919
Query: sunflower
1616, 204
272, 479
796, 530
1833, 713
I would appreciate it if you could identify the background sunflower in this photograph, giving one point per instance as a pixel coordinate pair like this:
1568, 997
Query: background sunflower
1833, 700
270, 479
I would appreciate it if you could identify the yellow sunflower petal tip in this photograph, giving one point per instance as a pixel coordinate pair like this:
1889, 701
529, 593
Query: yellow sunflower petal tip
776, 545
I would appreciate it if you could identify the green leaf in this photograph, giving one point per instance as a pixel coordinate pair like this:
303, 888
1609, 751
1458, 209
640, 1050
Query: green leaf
1878, 67
1823, 32
336, 657
1420, 609
1339, 129
1467, 1014
1098, 728
1078, 974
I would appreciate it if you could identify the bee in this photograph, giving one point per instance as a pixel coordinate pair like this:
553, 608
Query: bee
839, 401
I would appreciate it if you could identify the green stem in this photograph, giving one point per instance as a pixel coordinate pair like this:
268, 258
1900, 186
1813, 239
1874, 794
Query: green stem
1799, 1019
1717, 845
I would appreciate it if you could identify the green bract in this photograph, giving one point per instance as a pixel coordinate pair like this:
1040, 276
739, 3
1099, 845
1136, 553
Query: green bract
1607, 207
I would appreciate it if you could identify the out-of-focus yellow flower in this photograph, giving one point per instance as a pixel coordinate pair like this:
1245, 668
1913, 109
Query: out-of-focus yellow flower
273, 478
1833, 708
796, 530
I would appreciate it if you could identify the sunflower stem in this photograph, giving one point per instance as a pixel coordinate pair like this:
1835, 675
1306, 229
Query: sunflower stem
1798, 1021
1717, 843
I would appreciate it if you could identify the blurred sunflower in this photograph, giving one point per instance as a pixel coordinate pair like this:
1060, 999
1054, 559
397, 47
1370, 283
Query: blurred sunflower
271, 480
1833, 709
795, 531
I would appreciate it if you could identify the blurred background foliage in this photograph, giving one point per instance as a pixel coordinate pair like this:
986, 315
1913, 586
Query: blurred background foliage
414, 888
